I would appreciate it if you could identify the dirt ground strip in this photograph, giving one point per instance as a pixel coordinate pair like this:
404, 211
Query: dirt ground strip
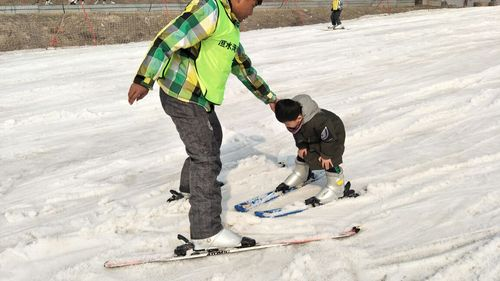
29, 31
91, 2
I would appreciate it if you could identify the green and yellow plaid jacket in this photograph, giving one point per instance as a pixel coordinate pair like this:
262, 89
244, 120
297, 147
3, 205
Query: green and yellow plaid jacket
172, 55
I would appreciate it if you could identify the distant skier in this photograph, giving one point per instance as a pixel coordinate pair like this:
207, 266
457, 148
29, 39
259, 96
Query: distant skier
192, 58
47, 2
337, 6
103, 2
319, 135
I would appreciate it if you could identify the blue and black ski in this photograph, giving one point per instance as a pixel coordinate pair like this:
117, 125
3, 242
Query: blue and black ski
295, 208
258, 200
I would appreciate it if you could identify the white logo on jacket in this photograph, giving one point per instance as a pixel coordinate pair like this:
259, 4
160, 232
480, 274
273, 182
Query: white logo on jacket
325, 134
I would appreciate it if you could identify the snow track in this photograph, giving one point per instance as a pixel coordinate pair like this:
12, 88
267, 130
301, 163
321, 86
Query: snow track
85, 177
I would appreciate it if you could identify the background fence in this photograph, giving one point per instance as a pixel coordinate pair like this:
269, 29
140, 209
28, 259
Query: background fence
30, 6
27, 24
26, 6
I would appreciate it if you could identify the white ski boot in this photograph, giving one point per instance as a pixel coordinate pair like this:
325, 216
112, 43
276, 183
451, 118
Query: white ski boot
297, 178
334, 188
224, 239
299, 175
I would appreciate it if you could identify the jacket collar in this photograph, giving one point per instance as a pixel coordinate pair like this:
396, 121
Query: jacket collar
227, 7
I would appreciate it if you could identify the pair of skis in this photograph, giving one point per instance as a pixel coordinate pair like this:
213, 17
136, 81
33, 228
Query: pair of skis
189, 254
186, 251
288, 209
264, 198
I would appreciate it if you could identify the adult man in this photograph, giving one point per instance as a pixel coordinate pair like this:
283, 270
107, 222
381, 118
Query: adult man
191, 58
337, 6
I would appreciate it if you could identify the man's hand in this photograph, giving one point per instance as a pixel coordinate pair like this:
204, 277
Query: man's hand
273, 105
302, 153
325, 163
136, 92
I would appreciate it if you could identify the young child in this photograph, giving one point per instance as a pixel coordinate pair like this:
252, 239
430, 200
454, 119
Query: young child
319, 135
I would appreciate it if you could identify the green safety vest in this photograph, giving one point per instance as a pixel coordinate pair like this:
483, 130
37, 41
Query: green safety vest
216, 56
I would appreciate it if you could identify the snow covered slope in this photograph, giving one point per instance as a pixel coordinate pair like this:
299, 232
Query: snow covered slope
85, 177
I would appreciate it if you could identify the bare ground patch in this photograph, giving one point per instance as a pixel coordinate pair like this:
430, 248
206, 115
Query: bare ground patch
29, 31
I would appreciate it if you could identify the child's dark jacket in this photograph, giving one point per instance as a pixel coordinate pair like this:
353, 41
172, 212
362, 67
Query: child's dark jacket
322, 133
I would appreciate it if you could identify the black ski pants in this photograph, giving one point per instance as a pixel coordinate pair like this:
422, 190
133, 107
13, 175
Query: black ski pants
335, 17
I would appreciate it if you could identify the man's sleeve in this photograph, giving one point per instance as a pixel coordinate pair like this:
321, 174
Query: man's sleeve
242, 68
197, 22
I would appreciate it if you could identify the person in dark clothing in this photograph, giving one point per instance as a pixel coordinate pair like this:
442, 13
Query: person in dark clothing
191, 60
319, 136
337, 6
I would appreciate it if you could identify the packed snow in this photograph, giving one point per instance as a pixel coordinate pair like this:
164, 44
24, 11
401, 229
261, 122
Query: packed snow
85, 176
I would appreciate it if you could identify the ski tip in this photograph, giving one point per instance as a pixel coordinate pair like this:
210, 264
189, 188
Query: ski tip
109, 264
272, 213
277, 213
240, 208
354, 228
260, 214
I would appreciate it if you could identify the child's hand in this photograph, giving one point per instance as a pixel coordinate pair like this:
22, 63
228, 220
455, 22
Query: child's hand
302, 153
325, 163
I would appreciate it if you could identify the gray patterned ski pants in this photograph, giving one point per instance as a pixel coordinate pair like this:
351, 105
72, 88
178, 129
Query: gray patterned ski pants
201, 133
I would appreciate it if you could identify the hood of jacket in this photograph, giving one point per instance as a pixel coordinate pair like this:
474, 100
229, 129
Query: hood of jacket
309, 107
